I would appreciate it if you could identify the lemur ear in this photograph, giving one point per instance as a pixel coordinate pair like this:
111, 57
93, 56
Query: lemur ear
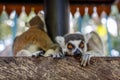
60, 40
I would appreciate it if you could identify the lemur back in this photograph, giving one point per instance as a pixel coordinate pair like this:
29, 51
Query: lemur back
34, 39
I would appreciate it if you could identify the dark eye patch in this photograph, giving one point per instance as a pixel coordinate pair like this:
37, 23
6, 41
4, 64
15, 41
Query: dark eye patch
70, 46
81, 45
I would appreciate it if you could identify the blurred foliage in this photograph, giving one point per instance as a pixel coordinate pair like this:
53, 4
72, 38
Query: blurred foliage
5, 31
116, 43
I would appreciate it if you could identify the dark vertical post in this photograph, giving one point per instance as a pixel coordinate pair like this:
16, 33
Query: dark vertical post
57, 17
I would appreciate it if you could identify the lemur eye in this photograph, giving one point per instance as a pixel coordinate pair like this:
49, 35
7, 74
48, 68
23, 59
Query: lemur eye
81, 44
70, 46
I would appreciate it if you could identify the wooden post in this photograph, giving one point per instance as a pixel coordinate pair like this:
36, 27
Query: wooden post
68, 68
57, 17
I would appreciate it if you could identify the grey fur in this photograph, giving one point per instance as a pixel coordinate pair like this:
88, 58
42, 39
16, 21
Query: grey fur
74, 37
92, 45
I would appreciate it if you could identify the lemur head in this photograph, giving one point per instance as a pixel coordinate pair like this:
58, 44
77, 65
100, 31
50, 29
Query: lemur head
72, 44
36, 22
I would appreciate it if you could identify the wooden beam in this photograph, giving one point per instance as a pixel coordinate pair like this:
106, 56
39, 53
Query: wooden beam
38, 7
24, 68
18, 7
71, 1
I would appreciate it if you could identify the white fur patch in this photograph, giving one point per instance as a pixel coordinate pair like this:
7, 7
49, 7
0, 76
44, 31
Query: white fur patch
24, 52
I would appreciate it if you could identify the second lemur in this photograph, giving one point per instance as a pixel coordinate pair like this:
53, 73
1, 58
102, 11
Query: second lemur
35, 39
83, 45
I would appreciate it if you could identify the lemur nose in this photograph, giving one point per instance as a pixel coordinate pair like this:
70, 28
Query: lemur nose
77, 52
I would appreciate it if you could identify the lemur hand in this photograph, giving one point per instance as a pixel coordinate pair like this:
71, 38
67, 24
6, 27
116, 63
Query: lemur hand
85, 60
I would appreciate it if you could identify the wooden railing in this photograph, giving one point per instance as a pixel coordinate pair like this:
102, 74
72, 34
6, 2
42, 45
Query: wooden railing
24, 68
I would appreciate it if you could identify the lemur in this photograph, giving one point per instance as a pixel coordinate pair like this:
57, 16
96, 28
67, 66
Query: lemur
83, 45
35, 39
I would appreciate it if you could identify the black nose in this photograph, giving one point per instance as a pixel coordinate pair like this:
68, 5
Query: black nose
77, 52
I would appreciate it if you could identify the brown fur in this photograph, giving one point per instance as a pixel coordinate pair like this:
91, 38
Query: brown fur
33, 36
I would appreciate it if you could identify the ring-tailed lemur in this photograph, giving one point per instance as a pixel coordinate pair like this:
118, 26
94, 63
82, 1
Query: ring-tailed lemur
33, 41
81, 45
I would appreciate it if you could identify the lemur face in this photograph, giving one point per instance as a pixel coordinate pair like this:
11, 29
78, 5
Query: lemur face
75, 47
72, 44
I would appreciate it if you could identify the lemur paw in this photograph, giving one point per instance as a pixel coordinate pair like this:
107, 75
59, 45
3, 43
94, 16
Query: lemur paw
85, 59
38, 53
49, 52
53, 54
57, 55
